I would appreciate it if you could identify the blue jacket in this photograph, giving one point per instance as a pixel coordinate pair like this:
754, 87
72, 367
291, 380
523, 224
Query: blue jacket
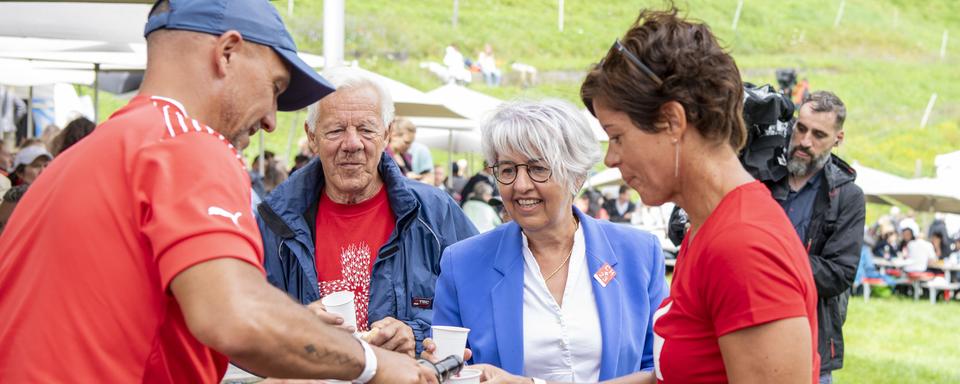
407, 266
481, 288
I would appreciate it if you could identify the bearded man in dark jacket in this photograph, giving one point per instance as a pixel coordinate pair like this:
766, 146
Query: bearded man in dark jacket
827, 209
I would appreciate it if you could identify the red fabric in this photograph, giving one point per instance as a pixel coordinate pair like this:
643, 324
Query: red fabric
920, 275
90, 251
349, 236
745, 267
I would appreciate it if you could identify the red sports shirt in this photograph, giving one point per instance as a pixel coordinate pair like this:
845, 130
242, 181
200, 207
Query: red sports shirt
745, 267
349, 237
88, 256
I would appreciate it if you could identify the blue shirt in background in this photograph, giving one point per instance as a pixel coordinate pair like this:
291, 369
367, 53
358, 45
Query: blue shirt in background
799, 205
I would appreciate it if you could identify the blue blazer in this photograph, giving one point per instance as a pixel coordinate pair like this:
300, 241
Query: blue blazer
481, 287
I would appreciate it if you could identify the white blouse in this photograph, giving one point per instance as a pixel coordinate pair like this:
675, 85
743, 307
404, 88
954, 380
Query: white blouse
561, 343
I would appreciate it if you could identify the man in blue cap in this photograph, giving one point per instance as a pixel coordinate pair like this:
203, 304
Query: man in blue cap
135, 258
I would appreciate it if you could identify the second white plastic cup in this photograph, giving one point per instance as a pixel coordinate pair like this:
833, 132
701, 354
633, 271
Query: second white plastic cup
466, 376
341, 303
450, 341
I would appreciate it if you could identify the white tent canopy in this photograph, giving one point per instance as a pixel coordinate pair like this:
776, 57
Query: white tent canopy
605, 178
466, 102
411, 102
78, 21
925, 195
948, 166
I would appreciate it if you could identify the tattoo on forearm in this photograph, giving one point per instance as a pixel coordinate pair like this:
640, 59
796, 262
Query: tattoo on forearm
327, 355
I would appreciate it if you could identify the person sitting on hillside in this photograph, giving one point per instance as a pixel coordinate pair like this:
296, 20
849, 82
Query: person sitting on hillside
456, 69
488, 66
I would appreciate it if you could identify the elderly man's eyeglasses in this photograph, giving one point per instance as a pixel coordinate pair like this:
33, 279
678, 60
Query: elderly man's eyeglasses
619, 48
506, 173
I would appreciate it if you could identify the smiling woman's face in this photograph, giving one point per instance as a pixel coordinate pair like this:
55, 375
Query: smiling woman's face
534, 206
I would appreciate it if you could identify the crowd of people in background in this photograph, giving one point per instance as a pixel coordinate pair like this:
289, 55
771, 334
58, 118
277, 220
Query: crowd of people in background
21, 164
897, 237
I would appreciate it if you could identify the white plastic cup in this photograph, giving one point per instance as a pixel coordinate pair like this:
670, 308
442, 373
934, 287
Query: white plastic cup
466, 376
341, 303
450, 341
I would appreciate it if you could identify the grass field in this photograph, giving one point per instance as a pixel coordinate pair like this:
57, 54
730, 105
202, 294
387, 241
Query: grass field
897, 340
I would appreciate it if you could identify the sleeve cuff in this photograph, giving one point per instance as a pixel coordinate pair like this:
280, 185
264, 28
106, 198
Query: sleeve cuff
760, 316
206, 247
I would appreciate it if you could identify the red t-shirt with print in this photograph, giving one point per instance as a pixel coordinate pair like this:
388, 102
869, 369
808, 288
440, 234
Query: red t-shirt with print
88, 257
349, 236
745, 267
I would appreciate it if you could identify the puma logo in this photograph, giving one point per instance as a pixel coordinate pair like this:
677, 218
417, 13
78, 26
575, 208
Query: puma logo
217, 211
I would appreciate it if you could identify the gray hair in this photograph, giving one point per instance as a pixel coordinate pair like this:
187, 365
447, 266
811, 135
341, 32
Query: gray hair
480, 189
552, 130
826, 101
346, 78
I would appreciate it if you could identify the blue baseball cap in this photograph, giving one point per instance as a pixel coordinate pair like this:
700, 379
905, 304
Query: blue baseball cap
258, 22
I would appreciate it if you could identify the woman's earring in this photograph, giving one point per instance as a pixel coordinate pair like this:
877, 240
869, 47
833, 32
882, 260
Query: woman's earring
676, 159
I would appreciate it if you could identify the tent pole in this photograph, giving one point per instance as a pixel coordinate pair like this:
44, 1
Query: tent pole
293, 131
30, 129
449, 153
262, 167
96, 92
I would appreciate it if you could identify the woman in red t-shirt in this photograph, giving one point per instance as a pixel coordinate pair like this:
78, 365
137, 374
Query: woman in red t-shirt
742, 304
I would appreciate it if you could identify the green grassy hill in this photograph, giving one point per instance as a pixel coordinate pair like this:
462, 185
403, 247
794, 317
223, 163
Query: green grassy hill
882, 59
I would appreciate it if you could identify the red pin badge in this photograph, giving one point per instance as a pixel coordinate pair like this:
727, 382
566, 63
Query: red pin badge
604, 275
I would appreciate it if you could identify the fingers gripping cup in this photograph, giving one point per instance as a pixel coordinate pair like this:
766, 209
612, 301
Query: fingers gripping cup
450, 341
341, 303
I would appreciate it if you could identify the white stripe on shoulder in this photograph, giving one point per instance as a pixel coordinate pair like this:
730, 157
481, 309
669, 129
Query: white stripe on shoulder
166, 119
172, 101
183, 124
196, 125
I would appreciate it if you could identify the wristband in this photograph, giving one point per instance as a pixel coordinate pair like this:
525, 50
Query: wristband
538, 381
370, 364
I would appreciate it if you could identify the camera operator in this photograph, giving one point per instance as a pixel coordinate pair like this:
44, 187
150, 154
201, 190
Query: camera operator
827, 210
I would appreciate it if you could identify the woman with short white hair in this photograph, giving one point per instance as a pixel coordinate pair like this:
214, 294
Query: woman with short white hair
554, 294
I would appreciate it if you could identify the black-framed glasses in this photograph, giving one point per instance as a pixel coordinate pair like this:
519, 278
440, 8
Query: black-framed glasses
506, 173
617, 47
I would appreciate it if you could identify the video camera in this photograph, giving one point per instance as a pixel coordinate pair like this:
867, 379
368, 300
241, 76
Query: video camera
768, 116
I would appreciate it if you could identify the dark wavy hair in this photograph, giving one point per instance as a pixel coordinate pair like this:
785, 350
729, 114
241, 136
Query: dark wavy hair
73, 133
695, 69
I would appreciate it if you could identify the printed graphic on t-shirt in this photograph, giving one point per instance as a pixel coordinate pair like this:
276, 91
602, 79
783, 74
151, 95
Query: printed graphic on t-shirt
355, 267
659, 340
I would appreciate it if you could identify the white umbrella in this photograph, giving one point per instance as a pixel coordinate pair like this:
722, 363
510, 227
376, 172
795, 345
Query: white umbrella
607, 177
411, 102
466, 102
925, 194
